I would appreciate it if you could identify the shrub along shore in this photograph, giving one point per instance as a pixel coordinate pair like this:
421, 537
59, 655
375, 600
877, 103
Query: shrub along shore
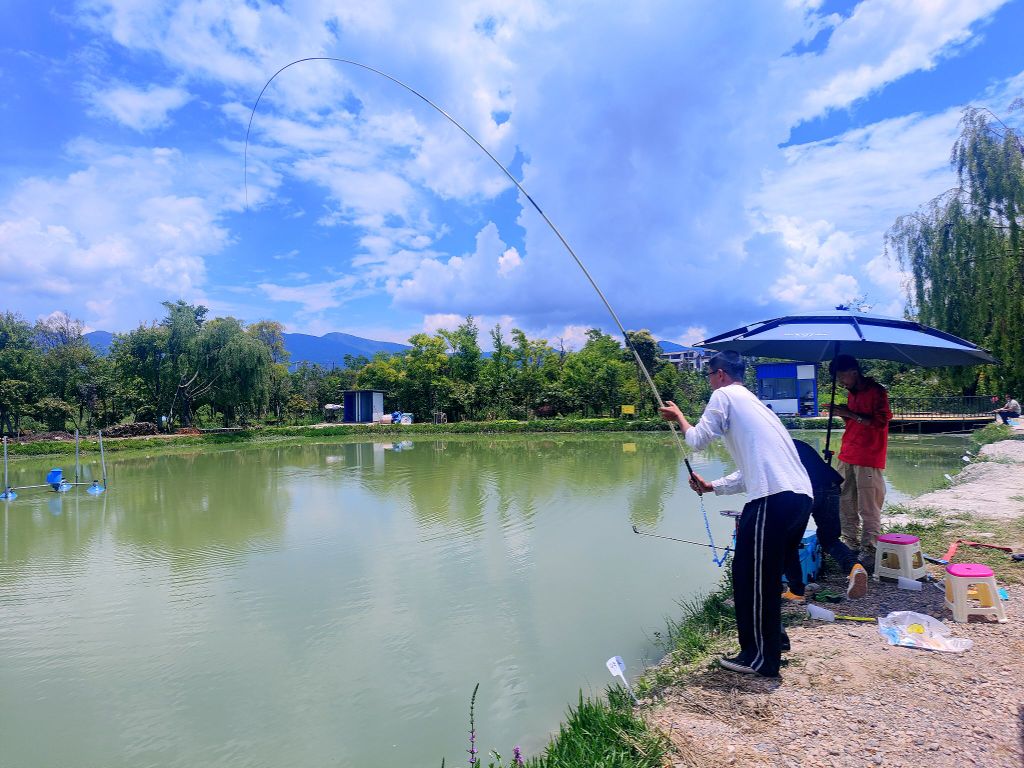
258, 435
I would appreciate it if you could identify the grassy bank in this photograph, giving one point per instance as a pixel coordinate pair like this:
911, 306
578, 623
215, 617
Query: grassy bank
262, 435
608, 733
992, 433
938, 532
603, 733
707, 629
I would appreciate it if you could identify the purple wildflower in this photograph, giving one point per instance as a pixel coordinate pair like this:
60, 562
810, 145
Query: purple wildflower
517, 756
472, 729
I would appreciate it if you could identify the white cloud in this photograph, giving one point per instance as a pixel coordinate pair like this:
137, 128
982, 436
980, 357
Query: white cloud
441, 321
571, 337
692, 335
312, 297
883, 40
648, 133
829, 206
815, 276
509, 261
132, 226
141, 109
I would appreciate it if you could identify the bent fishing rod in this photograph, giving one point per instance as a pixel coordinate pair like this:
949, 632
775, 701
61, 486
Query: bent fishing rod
471, 137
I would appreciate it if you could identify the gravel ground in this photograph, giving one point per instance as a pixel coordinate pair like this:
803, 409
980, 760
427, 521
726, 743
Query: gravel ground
847, 698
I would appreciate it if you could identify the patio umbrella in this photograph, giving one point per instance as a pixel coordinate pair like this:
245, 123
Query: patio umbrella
821, 336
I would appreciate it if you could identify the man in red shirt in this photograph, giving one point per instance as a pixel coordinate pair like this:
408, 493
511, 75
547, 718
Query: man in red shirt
862, 456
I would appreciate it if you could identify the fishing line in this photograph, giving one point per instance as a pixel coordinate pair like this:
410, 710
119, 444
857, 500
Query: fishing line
471, 137
707, 524
681, 541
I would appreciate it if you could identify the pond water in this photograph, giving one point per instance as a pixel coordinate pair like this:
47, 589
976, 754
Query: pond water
335, 603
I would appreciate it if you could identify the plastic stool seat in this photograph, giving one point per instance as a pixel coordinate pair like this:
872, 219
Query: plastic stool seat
969, 570
899, 554
898, 538
961, 578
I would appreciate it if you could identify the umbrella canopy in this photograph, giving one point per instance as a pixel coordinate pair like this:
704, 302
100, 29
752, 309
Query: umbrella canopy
820, 336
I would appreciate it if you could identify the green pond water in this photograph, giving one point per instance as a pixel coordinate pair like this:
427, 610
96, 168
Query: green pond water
334, 604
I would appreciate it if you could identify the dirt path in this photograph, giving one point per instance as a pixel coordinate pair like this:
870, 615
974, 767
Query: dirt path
847, 698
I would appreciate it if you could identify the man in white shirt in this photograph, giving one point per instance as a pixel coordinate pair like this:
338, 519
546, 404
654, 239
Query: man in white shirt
775, 516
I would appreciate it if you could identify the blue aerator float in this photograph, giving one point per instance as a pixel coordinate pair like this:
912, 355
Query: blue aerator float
55, 479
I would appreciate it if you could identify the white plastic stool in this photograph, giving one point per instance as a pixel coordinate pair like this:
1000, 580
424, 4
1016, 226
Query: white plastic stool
899, 554
960, 577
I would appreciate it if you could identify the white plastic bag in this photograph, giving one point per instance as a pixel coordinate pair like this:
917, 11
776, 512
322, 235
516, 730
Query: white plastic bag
916, 630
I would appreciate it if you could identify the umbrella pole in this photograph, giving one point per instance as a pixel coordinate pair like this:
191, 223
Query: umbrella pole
827, 453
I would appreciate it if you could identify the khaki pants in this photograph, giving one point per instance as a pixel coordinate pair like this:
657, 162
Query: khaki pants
860, 507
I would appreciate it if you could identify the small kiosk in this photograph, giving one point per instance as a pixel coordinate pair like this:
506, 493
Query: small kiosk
789, 388
363, 406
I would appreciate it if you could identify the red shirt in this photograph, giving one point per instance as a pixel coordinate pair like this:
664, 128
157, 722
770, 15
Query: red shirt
865, 444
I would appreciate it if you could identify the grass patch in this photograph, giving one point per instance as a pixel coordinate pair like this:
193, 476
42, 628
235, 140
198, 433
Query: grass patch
991, 433
937, 535
604, 734
707, 628
918, 513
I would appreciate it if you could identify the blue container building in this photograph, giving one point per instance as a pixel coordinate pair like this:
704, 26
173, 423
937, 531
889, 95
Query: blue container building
789, 388
363, 406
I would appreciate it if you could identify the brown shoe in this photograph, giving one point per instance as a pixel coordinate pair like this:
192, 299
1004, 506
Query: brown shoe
857, 583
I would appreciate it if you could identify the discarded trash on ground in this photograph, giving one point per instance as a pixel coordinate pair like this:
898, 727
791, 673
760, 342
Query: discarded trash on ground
824, 614
916, 630
827, 596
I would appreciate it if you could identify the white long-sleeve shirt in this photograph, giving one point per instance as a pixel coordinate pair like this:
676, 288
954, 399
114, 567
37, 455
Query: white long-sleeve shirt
766, 459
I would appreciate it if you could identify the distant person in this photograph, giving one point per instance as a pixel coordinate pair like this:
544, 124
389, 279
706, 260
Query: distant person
861, 457
774, 517
826, 483
1009, 411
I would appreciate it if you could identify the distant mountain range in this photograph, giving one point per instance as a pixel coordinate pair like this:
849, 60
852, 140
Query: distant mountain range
328, 350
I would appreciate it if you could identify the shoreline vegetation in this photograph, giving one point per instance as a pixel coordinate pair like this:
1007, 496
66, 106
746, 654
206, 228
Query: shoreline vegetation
29, 447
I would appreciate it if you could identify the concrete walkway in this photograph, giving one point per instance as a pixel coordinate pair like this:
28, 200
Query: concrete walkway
991, 486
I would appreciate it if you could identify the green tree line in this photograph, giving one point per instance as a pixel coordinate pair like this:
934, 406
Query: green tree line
195, 371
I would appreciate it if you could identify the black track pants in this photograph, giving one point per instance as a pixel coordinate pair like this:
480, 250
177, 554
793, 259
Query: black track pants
769, 528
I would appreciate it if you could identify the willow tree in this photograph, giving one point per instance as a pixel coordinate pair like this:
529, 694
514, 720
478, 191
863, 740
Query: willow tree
964, 252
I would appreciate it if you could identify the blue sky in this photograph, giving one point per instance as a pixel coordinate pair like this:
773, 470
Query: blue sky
712, 163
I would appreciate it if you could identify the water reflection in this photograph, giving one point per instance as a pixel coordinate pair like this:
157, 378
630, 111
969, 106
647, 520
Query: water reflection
915, 464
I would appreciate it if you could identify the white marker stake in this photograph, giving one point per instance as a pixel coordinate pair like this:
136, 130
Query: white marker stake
618, 669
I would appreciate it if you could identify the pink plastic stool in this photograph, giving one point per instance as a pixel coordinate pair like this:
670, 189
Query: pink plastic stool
899, 554
960, 577
898, 538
